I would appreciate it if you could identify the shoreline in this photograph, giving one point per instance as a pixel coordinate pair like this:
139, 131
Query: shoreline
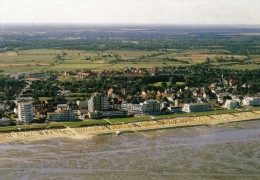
88, 132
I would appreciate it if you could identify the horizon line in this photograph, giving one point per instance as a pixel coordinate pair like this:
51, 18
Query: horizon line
124, 24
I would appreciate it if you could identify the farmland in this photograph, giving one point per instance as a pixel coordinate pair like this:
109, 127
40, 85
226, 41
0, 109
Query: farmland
72, 48
37, 60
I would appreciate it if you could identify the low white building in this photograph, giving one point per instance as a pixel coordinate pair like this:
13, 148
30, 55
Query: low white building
103, 114
151, 107
196, 107
174, 109
231, 104
63, 113
251, 101
132, 107
148, 107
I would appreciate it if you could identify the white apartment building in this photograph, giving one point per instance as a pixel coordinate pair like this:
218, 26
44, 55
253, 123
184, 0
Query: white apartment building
63, 113
102, 114
151, 107
251, 101
148, 107
98, 102
196, 107
231, 104
132, 107
25, 111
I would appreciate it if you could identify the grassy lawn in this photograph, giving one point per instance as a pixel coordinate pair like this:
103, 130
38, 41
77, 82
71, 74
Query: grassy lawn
54, 125
180, 83
33, 127
252, 108
168, 83
85, 123
129, 120
45, 98
160, 84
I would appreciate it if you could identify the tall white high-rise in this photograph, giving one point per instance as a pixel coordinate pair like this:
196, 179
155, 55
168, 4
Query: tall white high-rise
97, 102
25, 111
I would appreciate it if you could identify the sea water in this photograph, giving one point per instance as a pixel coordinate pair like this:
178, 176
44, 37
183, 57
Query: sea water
226, 151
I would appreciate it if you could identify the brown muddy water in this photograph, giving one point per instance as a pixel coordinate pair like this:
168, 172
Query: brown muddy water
227, 151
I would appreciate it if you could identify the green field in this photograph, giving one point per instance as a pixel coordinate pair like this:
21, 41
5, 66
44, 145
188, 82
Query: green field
160, 83
37, 60
129, 120
85, 123
45, 98
33, 127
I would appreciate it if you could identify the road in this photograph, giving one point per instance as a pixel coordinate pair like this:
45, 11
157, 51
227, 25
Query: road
24, 89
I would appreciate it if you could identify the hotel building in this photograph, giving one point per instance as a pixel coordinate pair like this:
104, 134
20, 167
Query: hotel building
25, 111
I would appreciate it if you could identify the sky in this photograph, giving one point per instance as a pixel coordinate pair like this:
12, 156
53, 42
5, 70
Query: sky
131, 11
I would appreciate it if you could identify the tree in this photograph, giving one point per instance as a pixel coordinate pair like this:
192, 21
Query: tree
173, 80
164, 84
12, 106
188, 94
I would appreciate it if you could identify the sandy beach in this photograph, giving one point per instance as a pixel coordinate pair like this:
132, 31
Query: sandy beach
88, 132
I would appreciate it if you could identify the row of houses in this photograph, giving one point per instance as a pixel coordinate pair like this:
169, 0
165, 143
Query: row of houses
98, 107
129, 72
247, 101
26, 75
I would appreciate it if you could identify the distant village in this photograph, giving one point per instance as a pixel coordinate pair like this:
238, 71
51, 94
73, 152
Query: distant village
116, 101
